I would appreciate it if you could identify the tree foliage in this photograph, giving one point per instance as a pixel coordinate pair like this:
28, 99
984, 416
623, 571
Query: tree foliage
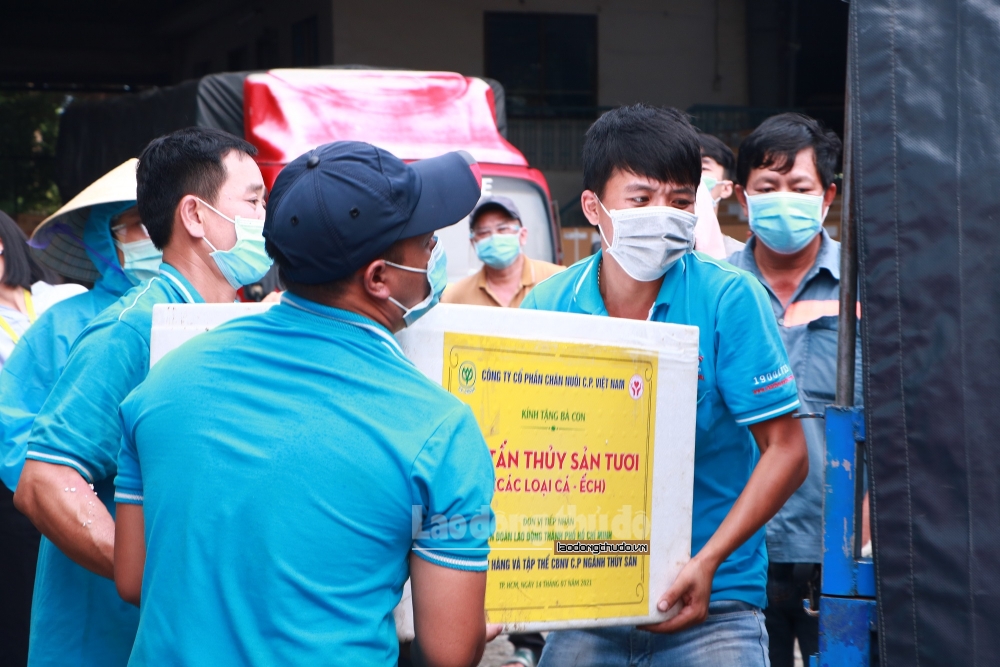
29, 126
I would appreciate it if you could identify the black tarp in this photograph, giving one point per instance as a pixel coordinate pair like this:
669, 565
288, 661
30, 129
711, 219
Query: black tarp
925, 118
96, 136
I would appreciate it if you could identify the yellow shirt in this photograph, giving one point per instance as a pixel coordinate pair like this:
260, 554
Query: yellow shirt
473, 291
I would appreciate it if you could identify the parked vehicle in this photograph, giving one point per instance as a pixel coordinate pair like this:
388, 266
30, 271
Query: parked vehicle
287, 112
411, 114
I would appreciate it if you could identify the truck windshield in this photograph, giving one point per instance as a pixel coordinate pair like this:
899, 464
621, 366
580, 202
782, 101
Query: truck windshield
530, 201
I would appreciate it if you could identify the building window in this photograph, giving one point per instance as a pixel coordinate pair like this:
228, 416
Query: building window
547, 63
305, 42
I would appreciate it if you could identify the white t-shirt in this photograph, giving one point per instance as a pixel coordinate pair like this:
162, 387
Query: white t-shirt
43, 295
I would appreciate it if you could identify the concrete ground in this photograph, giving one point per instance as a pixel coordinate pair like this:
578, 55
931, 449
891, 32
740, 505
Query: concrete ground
496, 652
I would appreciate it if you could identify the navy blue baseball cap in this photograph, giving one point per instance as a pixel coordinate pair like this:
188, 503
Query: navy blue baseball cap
341, 205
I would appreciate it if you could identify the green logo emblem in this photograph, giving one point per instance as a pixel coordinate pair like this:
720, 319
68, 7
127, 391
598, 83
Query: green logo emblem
467, 377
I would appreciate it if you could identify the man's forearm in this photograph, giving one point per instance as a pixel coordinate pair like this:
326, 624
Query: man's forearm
783, 466
67, 511
418, 658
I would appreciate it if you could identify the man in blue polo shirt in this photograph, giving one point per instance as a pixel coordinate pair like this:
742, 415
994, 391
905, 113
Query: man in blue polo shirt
785, 174
641, 168
282, 475
191, 186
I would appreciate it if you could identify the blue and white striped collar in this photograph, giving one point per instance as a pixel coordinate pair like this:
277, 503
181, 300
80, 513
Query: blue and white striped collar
347, 317
180, 283
587, 292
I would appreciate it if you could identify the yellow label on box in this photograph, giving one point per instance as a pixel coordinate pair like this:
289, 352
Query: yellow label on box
571, 431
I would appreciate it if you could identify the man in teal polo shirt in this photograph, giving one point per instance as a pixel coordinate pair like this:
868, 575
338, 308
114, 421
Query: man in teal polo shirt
641, 168
188, 185
282, 475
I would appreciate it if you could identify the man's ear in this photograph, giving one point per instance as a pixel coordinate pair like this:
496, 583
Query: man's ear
727, 190
591, 207
829, 195
524, 235
374, 276
187, 211
741, 197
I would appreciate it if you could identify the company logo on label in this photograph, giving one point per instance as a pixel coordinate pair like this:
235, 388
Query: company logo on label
467, 377
636, 386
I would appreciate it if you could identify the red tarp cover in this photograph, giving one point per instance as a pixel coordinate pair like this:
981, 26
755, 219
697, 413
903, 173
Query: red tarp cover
413, 115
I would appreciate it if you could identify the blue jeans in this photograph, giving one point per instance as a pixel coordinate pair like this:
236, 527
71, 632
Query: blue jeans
733, 635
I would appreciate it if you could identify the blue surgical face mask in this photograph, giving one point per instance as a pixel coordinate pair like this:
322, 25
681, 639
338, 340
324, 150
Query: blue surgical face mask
499, 251
246, 262
710, 182
437, 278
785, 221
142, 260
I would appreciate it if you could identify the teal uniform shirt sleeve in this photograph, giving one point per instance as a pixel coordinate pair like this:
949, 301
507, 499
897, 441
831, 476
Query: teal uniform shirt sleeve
40, 356
128, 481
31, 371
752, 369
79, 426
452, 488
25, 382
528, 302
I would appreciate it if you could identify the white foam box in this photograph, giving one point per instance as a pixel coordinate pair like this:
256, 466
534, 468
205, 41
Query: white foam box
676, 350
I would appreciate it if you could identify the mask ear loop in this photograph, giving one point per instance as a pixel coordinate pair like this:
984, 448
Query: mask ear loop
405, 268
217, 211
392, 299
426, 272
414, 269
221, 215
601, 230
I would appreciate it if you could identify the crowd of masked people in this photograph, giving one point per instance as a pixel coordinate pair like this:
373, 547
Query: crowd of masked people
249, 500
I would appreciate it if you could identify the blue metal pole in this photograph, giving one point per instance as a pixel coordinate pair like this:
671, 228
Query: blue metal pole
847, 607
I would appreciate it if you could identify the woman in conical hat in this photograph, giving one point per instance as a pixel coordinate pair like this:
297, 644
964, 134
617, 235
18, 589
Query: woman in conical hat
77, 241
96, 238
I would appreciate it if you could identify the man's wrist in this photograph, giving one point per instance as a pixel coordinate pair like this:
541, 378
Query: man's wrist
709, 559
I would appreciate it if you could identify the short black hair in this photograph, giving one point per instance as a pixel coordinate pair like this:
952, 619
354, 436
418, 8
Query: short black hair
776, 142
329, 290
185, 162
19, 268
655, 142
715, 148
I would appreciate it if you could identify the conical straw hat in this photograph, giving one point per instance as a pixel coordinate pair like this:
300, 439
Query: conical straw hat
58, 240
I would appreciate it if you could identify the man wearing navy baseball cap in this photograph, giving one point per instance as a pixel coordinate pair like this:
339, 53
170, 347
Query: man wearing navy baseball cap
293, 468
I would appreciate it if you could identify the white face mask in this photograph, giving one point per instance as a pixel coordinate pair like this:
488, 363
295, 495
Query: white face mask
649, 239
